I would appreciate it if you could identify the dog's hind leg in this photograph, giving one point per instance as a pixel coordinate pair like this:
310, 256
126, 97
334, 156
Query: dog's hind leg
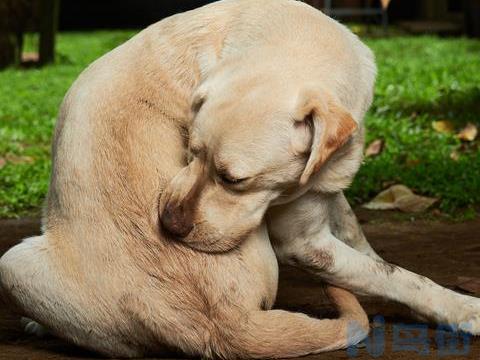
24, 273
280, 334
38, 289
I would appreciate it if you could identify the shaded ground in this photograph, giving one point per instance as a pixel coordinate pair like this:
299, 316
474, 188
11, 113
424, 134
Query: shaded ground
439, 250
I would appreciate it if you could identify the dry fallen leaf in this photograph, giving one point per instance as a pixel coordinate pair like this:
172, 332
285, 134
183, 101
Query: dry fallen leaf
468, 133
443, 126
412, 162
374, 148
400, 197
469, 284
15, 159
437, 212
388, 183
455, 155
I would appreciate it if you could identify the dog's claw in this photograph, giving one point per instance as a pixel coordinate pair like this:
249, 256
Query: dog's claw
31, 327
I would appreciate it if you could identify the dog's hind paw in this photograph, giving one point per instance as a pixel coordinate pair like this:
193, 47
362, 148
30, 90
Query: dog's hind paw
356, 333
31, 327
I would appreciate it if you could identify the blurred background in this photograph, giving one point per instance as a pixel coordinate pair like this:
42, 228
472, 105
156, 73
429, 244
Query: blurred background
422, 150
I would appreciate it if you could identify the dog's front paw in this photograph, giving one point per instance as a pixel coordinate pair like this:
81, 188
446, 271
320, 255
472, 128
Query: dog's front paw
471, 324
31, 327
469, 316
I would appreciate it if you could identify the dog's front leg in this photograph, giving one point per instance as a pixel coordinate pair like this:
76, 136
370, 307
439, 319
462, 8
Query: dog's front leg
302, 236
344, 224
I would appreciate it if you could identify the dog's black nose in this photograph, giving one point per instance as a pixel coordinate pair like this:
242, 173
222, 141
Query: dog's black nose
176, 221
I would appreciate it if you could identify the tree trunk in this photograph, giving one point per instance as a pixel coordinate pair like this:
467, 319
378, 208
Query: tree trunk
472, 17
434, 9
8, 50
8, 42
48, 29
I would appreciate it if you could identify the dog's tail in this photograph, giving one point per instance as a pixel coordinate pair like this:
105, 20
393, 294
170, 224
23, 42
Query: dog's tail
280, 334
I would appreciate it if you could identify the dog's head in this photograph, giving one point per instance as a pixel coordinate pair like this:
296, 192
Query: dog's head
254, 139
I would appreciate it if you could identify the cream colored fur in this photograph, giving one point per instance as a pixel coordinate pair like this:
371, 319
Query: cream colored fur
176, 155
103, 275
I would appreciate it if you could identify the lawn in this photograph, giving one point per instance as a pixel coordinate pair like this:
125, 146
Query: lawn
421, 80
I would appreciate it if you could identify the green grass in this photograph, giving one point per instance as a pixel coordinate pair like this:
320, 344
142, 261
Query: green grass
421, 79
29, 101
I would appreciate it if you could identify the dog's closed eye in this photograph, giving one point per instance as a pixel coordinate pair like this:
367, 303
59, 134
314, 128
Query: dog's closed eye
230, 180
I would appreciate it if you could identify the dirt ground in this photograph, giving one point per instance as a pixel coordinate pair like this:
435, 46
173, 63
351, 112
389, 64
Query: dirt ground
441, 251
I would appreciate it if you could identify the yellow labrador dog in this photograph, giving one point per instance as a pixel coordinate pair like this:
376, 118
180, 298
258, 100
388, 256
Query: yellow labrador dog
176, 155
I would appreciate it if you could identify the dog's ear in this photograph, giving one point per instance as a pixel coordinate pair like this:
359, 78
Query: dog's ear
331, 126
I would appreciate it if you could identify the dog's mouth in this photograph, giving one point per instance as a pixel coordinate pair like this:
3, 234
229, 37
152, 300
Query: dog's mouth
204, 239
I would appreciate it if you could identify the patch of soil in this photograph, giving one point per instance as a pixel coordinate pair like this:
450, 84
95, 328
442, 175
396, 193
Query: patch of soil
441, 251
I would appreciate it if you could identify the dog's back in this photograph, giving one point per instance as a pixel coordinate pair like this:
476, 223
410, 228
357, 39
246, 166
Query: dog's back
103, 275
